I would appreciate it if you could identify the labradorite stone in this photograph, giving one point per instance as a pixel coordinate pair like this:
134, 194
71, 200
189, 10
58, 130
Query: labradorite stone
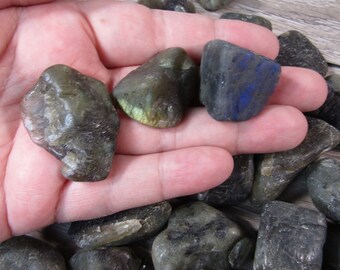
242, 254
180, 6
247, 18
158, 92
297, 50
105, 258
236, 188
323, 181
153, 4
290, 237
121, 228
71, 116
235, 83
213, 5
276, 170
334, 81
25, 252
331, 252
198, 237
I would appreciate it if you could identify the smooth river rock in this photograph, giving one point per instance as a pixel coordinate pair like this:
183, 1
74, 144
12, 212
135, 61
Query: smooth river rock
121, 228
290, 238
28, 253
198, 237
247, 18
213, 5
71, 116
159, 91
235, 83
180, 6
276, 170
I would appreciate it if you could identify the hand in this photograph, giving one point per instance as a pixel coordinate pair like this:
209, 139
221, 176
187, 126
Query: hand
106, 40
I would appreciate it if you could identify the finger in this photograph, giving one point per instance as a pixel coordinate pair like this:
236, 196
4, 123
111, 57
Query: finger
141, 180
276, 128
9, 3
129, 34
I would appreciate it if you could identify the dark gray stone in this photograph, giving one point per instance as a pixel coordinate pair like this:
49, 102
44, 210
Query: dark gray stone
28, 253
153, 4
180, 6
297, 50
105, 258
121, 228
158, 92
334, 81
236, 188
276, 170
323, 181
71, 116
290, 238
247, 18
235, 83
213, 5
331, 252
242, 254
198, 237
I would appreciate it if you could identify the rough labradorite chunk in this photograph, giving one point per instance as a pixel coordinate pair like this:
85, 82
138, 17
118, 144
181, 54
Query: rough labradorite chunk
247, 18
235, 83
107, 258
297, 50
158, 92
180, 6
198, 237
213, 5
236, 188
71, 116
323, 181
25, 252
276, 170
290, 237
121, 228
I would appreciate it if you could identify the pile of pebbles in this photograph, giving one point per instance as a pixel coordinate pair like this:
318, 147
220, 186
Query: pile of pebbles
254, 220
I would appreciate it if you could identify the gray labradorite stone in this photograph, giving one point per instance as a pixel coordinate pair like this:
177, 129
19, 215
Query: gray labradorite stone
71, 116
235, 83
334, 81
198, 237
236, 188
290, 238
297, 50
121, 228
276, 170
242, 254
331, 252
158, 92
247, 18
323, 181
180, 6
108, 258
28, 253
153, 4
213, 5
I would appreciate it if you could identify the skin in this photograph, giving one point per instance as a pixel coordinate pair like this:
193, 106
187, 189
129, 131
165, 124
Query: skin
151, 165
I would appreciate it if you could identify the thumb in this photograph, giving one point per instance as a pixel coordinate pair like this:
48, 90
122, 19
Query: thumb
13, 3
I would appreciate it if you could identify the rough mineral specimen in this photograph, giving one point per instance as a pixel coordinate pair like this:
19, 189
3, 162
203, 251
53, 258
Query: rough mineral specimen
276, 170
213, 5
25, 252
247, 18
236, 188
180, 6
158, 92
198, 237
297, 50
71, 116
242, 254
323, 181
290, 237
121, 228
235, 83
106, 258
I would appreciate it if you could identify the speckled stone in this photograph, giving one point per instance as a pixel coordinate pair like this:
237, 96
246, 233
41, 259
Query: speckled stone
236, 188
323, 181
121, 228
290, 237
331, 252
105, 258
235, 83
213, 5
297, 50
180, 6
242, 254
198, 237
28, 253
276, 170
158, 92
247, 18
71, 116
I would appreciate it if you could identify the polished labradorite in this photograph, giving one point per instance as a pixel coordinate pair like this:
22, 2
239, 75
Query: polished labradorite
247, 18
71, 116
158, 92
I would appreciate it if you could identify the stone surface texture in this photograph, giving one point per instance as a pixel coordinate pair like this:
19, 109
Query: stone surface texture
235, 83
121, 228
290, 238
213, 5
180, 6
71, 116
331, 252
158, 92
247, 18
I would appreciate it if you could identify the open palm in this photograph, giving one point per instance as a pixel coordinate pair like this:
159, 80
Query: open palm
106, 40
